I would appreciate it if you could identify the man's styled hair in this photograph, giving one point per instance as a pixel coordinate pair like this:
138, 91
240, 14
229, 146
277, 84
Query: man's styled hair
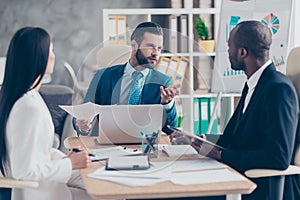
254, 36
145, 27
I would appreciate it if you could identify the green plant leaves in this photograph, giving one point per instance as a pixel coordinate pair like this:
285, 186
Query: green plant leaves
201, 29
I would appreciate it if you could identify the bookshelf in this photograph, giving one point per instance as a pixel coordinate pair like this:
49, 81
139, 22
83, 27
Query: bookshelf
188, 94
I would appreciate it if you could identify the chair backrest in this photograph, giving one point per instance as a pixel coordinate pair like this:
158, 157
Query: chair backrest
2, 68
293, 72
71, 72
112, 55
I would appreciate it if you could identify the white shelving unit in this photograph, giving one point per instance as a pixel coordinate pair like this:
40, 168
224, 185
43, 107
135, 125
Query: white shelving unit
187, 96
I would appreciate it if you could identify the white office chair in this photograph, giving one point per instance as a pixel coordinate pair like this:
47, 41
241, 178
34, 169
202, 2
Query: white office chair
80, 87
112, 55
293, 72
2, 68
6, 184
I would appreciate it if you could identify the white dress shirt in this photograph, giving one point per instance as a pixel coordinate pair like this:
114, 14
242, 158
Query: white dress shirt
252, 82
127, 80
126, 84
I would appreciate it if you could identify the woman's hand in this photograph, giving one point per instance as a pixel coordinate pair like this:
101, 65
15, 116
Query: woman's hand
79, 159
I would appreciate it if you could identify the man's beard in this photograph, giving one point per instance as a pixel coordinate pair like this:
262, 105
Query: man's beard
143, 61
238, 66
235, 64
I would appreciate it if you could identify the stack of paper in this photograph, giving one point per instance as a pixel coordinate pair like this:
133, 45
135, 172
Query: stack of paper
104, 153
177, 171
179, 150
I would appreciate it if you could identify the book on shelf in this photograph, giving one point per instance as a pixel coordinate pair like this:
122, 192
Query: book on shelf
203, 110
179, 110
112, 29
196, 116
163, 64
173, 65
181, 69
214, 128
117, 29
121, 30
203, 114
173, 34
182, 26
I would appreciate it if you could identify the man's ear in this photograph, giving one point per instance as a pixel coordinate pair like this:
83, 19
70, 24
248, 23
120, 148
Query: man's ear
134, 45
243, 52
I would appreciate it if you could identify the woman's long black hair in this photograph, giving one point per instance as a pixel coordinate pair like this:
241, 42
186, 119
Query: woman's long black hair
26, 62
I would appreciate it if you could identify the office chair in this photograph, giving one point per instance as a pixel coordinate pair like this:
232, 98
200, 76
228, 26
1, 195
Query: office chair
80, 87
2, 68
111, 55
277, 176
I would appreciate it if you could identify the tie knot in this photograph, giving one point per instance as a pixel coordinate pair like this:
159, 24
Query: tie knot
137, 75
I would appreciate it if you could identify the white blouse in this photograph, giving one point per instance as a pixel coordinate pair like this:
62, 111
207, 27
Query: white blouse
29, 138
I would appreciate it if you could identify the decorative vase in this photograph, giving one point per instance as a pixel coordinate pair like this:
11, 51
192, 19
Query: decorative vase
207, 46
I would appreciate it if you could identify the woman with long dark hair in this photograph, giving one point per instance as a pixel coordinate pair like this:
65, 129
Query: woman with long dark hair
26, 128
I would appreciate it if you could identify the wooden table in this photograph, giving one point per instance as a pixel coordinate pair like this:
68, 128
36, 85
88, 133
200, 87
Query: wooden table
101, 189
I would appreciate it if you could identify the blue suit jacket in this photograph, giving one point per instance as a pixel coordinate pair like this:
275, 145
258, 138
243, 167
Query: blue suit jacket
264, 136
105, 87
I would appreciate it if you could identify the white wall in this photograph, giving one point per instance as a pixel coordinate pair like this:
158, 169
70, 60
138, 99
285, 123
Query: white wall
296, 32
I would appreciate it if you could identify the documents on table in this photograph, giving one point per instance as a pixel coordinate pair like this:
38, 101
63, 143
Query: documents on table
132, 178
104, 153
179, 172
139, 162
207, 176
178, 150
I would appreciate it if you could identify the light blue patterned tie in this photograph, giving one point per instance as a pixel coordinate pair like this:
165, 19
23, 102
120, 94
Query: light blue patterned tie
135, 90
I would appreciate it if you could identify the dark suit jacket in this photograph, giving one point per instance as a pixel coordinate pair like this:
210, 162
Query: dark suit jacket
105, 90
264, 136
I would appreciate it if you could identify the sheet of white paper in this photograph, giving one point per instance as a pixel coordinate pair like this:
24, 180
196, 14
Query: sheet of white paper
207, 176
178, 150
86, 111
104, 153
190, 165
132, 181
159, 172
132, 178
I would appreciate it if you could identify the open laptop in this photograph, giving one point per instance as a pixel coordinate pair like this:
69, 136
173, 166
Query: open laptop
123, 124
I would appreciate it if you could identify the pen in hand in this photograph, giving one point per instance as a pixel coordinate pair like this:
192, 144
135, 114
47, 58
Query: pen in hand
78, 150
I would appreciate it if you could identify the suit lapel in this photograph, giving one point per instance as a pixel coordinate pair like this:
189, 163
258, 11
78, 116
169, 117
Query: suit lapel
149, 89
116, 84
258, 90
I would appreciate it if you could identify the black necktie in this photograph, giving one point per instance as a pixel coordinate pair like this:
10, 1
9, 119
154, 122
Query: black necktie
242, 101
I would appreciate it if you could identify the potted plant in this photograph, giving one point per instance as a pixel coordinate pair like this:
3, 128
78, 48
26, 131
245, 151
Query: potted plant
206, 44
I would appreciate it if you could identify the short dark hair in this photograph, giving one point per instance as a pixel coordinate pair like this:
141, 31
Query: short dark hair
144, 27
26, 61
254, 36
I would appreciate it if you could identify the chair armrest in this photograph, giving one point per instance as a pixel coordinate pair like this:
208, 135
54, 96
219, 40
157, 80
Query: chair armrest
13, 183
67, 143
260, 173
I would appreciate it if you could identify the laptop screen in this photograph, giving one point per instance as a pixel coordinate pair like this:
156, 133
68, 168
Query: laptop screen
123, 124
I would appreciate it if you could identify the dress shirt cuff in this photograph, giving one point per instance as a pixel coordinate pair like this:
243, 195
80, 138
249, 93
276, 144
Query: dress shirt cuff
169, 105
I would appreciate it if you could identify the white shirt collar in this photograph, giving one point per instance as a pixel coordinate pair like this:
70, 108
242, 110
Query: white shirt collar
129, 69
253, 80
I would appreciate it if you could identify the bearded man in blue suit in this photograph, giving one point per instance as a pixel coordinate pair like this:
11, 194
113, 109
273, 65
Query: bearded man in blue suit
112, 85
